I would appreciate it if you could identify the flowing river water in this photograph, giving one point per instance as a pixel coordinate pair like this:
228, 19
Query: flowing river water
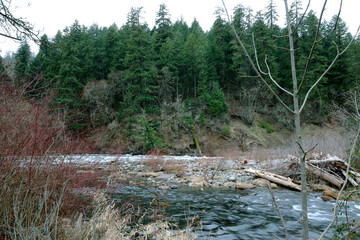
238, 214
234, 214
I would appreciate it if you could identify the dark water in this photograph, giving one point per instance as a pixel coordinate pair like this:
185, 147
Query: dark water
240, 214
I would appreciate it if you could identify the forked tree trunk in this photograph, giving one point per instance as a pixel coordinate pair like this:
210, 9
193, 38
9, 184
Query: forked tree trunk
296, 88
304, 208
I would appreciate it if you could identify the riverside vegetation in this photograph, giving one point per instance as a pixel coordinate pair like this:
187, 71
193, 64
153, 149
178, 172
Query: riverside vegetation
173, 89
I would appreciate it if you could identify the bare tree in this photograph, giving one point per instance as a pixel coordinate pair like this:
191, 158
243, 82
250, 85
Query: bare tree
14, 27
298, 106
355, 115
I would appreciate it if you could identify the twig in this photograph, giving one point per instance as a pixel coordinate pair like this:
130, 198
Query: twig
328, 68
252, 62
342, 188
278, 210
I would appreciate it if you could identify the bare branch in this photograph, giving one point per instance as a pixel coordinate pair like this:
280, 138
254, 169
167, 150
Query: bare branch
256, 56
355, 100
273, 80
328, 68
343, 186
268, 68
252, 62
335, 25
278, 210
8, 36
312, 48
283, 48
13, 27
316, 41
302, 17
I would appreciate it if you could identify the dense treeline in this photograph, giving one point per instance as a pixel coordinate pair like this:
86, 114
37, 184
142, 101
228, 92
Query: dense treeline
113, 73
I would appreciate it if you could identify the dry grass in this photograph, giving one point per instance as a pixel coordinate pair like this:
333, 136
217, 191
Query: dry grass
107, 223
176, 167
333, 146
157, 164
154, 164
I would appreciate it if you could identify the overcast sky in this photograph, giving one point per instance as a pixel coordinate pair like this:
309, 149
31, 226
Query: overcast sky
49, 16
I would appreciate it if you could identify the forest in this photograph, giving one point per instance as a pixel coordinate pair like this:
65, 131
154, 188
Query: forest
170, 90
134, 89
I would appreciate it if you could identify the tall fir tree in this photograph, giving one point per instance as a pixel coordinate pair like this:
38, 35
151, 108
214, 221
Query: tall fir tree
23, 58
163, 26
140, 74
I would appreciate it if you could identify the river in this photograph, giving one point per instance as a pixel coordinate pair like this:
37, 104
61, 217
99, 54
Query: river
237, 214
247, 214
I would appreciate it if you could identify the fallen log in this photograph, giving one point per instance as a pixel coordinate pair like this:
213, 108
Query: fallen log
325, 175
355, 173
332, 160
287, 182
352, 181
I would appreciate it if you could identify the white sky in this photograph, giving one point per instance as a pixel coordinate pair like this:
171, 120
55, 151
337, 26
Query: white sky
49, 16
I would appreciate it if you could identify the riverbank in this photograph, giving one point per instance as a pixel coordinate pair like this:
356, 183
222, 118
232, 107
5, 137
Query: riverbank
171, 172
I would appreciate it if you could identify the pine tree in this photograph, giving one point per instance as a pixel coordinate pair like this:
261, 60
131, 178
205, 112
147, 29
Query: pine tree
220, 52
115, 48
22, 57
339, 76
271, 14
3, 74
140, 74
163, 26
148, 136
195, 53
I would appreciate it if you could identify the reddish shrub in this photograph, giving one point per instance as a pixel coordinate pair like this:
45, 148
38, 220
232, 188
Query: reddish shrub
35, 180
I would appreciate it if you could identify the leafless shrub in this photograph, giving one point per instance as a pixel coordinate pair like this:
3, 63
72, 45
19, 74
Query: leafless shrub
154, 163
246, 104
176, 167
99, 99
36, 185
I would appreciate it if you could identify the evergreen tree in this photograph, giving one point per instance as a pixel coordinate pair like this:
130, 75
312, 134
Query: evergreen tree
140, 74
41, 60
307, 33
52, 68
163, 26
148, 136
96, 40
339, 76
23, 58
242, 23
115, 48
195, 53
3, 73
295, 11
271, 14
220, 52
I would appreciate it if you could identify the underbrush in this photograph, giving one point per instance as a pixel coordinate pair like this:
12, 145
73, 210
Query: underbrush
43, 196
37, 187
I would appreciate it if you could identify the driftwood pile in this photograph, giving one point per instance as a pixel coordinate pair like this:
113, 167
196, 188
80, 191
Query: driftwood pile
332, 170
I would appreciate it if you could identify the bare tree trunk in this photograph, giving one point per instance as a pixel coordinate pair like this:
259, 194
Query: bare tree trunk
305, 221
298, 107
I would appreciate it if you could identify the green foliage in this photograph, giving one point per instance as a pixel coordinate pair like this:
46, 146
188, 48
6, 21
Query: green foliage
188, 121
148, 135
346, 227
151, 69
22, 58
226, 131
3, 73
202, 120
216, 100
267, 126
140, 74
